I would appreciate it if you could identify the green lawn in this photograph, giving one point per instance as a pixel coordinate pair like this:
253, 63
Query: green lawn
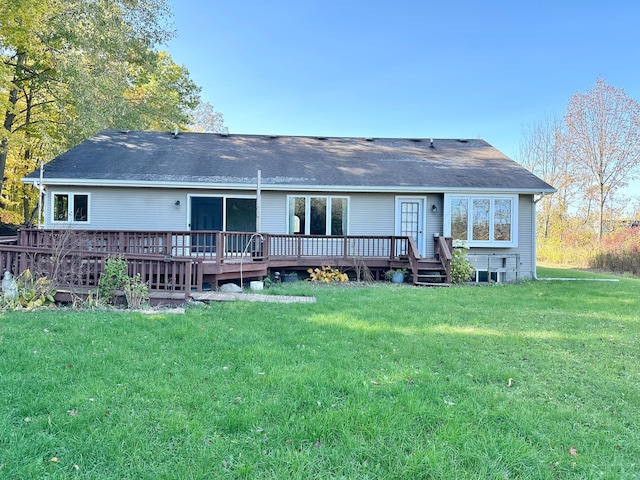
530, 381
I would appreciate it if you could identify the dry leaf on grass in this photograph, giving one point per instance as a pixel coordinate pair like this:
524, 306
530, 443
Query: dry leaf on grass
572, 451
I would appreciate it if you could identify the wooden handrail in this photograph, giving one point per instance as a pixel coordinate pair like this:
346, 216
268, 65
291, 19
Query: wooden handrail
444, 247
413, 255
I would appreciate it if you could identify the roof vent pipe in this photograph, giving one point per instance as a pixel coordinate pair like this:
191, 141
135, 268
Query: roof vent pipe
431, 143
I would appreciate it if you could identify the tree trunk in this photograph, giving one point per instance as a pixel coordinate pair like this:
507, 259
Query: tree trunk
601, 216
10, 116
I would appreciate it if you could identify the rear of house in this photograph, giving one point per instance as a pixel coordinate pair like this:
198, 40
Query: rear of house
307, 186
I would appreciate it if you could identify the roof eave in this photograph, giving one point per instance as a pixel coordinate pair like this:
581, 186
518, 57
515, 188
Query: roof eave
281, 187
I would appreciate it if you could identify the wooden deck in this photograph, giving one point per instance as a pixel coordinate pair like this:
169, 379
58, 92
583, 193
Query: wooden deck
175, 264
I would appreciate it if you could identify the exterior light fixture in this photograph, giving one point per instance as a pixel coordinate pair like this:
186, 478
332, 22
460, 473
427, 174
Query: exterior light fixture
434, 208
177, 204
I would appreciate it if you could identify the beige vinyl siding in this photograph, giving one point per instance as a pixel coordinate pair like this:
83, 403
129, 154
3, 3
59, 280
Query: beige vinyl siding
274, 212
526, 236
434, 220
371, 214
127, 208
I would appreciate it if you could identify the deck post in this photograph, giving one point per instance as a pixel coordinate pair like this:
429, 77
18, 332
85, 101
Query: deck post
219, 247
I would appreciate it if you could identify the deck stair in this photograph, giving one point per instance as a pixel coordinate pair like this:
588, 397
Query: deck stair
430, 272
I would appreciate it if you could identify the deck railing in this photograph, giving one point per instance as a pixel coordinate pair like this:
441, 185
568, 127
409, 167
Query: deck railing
175, 260
388, 247
82, 268
206, 244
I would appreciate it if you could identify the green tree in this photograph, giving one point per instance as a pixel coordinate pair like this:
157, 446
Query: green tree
69, 68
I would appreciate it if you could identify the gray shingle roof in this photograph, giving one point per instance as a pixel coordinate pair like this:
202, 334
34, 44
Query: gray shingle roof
356, 164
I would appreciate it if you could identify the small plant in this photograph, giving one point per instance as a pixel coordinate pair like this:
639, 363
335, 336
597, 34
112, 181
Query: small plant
327, 275
136, 292
389, 274
112, 279
461, 269
115, 279
32, 292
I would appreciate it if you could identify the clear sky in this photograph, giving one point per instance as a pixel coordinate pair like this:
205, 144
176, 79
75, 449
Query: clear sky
407, 68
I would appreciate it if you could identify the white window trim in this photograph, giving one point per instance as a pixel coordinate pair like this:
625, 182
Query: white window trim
70, 208
513, 243
307, 212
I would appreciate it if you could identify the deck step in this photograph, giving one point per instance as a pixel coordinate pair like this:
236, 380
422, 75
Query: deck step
431, 274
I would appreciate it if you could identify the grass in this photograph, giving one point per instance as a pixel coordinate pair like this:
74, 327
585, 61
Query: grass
538, 380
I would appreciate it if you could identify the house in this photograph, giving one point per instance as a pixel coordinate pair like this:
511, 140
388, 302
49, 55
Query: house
303, 186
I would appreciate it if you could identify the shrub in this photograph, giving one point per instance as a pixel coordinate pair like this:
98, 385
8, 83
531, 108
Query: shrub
461, 269
327, 275
136, 292
619, 252
112, 279
115, 278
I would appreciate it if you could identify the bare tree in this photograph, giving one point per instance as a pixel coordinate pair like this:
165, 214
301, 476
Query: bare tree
603, 141
205, 119
542, 151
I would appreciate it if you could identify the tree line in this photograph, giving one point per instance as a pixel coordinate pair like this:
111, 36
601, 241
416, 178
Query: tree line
589, 155
69, 68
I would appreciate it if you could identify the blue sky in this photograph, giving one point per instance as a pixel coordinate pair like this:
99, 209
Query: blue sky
463, 69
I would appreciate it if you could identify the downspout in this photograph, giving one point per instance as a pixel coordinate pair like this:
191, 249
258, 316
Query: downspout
535, 257
259, 202
40, 191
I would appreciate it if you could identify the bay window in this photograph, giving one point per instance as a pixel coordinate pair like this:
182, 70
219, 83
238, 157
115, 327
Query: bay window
317, 215
482, 220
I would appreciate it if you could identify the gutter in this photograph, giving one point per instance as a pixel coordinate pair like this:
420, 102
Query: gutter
266, 185
535, 257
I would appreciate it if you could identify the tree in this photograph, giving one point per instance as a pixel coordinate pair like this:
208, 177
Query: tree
603, 141
69, 68
542, 151
205, 119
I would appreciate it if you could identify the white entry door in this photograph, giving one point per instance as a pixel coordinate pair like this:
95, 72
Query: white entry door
410, 219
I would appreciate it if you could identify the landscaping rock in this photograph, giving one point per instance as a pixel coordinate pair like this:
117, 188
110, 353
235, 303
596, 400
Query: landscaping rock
230, 288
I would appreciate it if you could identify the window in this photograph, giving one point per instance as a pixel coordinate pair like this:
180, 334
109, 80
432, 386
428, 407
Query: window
317, 215
489, 221
231, 214
70, 207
